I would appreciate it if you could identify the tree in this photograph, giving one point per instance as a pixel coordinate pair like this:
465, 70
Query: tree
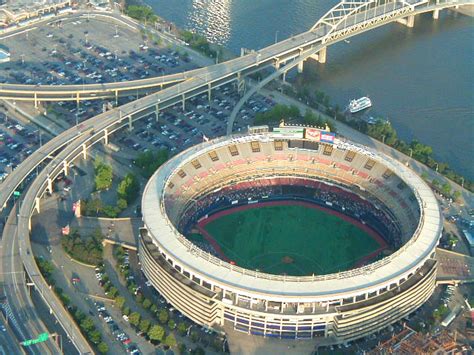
156, 333
456, 195
149, 161
95, 336
146, 303
120, 301
182, 329
113, 292
128, 188
194, 336
144, 325
198, 351
182, 348
87, 324
446, 189
171, 324
141, 13
134, 318
154, 308
126, 310
122, 203
103, 175
103, 348
170, 340
163, 316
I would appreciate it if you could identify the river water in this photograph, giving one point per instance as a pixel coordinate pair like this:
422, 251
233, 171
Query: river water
421, 79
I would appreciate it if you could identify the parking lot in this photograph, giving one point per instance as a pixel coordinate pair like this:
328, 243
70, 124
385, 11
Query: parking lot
17, 141
178, 129
76, 52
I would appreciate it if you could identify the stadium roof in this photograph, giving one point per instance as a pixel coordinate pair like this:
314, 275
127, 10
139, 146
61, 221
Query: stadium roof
401, 263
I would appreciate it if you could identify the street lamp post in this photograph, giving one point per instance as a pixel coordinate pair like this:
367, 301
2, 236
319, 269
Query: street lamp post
276, 36
462, 182
437, 167
383, 138
411, 152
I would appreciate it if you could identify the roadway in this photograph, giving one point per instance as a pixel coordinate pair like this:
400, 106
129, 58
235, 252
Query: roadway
24, 320
8, 342
330, 29
71, 143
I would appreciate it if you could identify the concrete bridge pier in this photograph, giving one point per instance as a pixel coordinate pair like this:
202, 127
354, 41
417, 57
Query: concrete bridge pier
320, 56
300, 67
184, 102
209, 91
436, 14
277, 63
49, 186
84, 151
66, 167
408, 21
36, 100
116, 97
37, 204
157, 112
130, 123
106, 136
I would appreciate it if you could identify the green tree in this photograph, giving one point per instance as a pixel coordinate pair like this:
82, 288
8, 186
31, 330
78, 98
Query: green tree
194, 336
103, 348
113, 292
128, 188
182, 329
198, 351
170, 340
277, 113
95, 336
144, 325
171, 324
103, 175
134, 318
446, 189
122, 203
146, 303
163, 316
126, 310
141, 13
87, 324
120, 301
149, 161
182, 348
156, 333
456, 195
154, 308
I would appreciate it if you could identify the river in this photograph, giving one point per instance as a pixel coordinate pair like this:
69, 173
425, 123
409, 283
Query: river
421, 79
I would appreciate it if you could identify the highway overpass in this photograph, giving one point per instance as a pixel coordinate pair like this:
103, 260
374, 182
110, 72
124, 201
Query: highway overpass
357, 17
344, 20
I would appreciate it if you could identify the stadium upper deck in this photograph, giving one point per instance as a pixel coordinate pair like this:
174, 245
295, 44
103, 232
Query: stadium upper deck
219, 287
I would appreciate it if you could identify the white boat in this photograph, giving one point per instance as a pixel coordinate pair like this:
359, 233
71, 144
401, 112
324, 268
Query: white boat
359, 104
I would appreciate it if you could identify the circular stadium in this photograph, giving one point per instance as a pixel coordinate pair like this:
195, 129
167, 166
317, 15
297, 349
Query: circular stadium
293, 234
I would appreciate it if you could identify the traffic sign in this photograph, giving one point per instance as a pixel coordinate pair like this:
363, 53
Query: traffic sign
41, 338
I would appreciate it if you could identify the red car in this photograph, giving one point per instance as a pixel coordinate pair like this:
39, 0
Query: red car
75, 280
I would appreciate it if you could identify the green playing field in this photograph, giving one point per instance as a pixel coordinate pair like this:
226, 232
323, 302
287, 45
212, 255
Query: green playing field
290, 239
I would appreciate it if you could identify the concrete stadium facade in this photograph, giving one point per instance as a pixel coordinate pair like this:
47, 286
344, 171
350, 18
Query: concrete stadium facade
336, 308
